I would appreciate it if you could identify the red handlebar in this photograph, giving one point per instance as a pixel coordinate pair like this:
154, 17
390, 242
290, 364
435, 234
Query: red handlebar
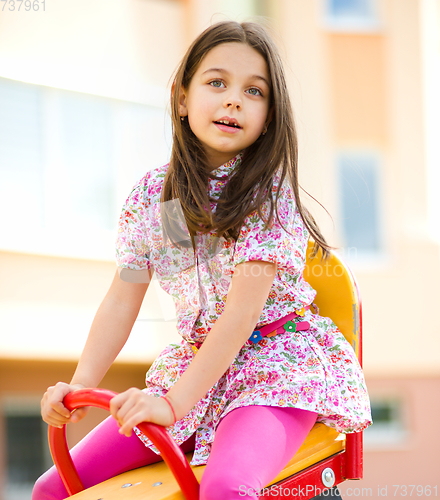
171, 453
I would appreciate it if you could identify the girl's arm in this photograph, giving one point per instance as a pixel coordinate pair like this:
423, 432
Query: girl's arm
110, 330
248, 293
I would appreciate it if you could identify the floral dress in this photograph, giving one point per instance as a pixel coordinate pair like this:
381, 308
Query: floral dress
314, 370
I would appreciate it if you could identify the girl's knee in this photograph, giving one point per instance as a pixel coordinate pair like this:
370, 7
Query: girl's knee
49, 487
38, 492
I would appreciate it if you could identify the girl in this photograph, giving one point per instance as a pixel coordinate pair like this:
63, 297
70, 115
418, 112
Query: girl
205, 223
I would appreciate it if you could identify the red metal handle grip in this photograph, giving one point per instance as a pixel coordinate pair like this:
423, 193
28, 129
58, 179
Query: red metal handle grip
171, 453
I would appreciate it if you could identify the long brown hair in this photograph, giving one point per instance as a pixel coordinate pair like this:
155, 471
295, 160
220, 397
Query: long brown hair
250, 185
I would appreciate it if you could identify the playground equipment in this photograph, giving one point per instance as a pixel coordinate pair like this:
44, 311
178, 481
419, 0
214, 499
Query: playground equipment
326, 458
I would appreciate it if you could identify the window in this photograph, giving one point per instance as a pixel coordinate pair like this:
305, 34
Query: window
86, 137
357, 15
389, 428
360, 204
21, 153
67, 162
27, 452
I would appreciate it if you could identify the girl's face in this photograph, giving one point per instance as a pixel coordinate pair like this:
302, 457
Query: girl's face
227, 101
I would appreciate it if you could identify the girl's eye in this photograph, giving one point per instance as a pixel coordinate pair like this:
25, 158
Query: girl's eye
216, 83
254, 91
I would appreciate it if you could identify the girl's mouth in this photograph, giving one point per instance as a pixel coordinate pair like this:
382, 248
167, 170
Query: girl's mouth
227, 125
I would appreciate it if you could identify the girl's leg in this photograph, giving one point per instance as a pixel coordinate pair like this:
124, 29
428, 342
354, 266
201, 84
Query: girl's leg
102, 454
251, 446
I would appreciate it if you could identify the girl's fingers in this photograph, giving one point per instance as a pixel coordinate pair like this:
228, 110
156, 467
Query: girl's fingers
131, 415
78, 414
51, 417
53, 397
53, 410
54, 420
123, 405
132, 407
133, 418
58, 407
116, 406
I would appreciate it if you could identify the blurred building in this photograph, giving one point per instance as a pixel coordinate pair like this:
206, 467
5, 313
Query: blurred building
83, 115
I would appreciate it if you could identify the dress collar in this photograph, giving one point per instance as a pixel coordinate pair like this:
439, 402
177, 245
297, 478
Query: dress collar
228, 167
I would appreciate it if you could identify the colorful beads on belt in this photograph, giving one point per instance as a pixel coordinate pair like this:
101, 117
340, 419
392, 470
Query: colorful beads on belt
289, 327
256, 336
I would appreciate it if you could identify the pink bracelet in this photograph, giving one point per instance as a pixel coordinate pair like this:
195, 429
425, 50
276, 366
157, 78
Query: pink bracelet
172, 409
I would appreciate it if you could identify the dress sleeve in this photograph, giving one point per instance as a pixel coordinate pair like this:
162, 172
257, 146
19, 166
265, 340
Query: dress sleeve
274, 244
132, 251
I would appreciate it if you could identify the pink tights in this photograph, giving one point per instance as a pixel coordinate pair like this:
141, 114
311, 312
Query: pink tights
251, 446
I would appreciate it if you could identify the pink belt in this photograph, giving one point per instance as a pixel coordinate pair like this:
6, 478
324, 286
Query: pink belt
285, 324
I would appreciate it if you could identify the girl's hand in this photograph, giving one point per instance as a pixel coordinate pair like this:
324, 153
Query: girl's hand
132, 407
52, 409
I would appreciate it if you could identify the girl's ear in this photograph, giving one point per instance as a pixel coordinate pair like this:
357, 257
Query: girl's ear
183, 110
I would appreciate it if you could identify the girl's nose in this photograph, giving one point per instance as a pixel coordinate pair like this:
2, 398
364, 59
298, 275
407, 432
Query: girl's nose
233, 101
